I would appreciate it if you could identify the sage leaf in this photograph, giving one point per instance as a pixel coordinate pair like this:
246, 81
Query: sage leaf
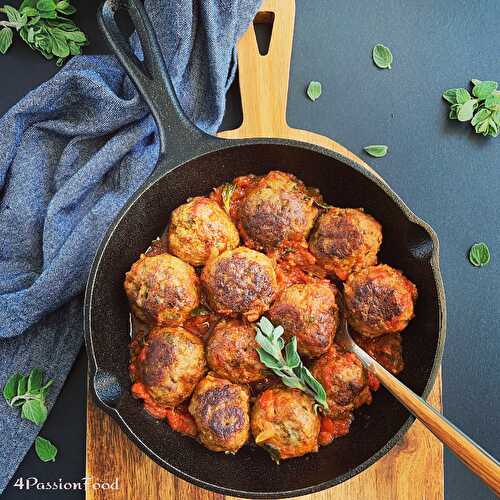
267, 359
314, 90
292, 357
382, 56
34, 410
376, 150
484, 89
466, 111
479, 254
45, 450
289, 368
5, 39
10, 388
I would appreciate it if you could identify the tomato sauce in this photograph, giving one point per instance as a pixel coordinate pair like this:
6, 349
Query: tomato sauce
332, 428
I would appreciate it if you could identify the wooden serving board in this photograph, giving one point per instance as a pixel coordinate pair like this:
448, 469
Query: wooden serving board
413, 470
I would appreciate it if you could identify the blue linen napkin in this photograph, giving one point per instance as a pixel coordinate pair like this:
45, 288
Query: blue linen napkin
71, 153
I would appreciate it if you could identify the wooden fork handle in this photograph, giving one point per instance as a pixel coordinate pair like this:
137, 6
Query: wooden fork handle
472, 455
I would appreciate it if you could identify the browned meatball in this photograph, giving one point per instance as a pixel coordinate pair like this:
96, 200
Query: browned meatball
221, 412
343, 377
276, 209
379, 299
231, 352
345, 240
162, 289
310, 313
284, 423
170, 364
240, 281
199, 230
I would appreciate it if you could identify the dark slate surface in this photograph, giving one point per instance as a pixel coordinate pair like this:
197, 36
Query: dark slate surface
446, 174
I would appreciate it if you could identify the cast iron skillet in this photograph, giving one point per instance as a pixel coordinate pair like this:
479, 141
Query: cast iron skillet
191, 163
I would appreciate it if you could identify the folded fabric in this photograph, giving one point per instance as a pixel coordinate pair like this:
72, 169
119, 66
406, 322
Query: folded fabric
71, 153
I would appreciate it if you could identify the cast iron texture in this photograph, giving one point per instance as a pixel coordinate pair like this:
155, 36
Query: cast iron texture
195, 163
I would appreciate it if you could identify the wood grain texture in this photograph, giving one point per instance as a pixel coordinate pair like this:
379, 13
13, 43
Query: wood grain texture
413, 470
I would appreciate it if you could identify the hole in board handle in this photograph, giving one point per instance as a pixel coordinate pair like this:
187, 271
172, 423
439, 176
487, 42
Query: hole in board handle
263, 27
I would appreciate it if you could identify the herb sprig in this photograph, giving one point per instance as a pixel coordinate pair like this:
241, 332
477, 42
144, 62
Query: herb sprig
43, 25
28, 392
482, 108
289, 367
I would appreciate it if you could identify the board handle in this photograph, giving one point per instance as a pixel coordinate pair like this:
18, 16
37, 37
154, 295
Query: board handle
264, 78
264, 83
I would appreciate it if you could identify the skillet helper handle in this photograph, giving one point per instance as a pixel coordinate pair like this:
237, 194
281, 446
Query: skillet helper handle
471, 454
150, 77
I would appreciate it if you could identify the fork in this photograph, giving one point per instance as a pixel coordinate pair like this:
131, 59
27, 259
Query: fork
471, 454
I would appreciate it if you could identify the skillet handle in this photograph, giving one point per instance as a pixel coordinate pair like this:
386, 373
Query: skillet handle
176, 131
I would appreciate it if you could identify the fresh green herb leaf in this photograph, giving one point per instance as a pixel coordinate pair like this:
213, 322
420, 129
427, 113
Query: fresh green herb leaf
492, 102
10, 388
482, 110
450, 95
482, 90
46, 5
314, 90
5, 39
22, 385
377, 150
35, 380
462, 96
292, 357
45, 450
41, 25
466, 111
479, 254
227, 193
382, 56
290, 368
28, 393
34, 410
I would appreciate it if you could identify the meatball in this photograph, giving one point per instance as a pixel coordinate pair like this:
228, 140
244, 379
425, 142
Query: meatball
221, 412
276, 209
240, 281
379, 300
343, 377
231, 352
345, 240
284, 422
171, 363
386, 349
199, 230
310, 313
162, 289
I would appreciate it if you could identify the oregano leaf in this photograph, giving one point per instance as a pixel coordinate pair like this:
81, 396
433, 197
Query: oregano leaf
314, 90
382, 56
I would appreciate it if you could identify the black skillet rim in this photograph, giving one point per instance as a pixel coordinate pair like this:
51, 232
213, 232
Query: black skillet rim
434, 263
